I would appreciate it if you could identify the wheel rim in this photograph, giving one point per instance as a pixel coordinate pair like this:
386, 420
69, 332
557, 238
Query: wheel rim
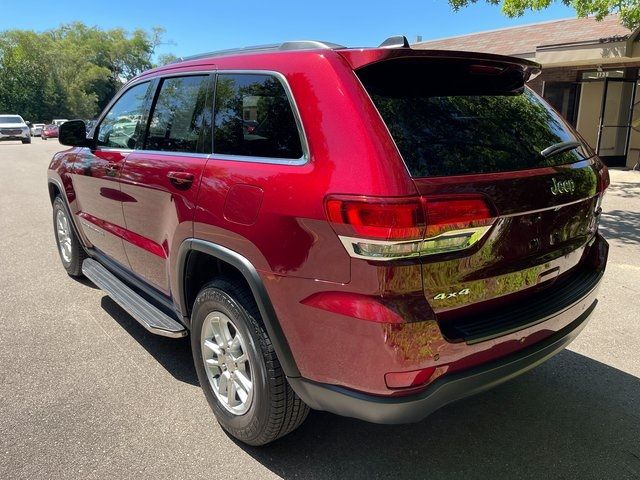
63, 233
226, 362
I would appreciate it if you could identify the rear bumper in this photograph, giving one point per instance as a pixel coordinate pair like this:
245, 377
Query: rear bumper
446, 389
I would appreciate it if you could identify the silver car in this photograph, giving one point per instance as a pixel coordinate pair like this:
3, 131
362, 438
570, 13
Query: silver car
13, 127
36, 129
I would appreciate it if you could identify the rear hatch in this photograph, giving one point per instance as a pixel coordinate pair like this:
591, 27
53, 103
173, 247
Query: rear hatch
511, 193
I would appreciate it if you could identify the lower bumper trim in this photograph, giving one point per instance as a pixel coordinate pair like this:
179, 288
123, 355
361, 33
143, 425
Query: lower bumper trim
447, 389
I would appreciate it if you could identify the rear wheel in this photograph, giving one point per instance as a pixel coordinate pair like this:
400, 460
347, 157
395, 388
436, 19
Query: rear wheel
71, 252
237, 366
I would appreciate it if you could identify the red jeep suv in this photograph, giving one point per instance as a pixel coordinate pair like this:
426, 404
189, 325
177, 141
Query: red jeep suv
374, 232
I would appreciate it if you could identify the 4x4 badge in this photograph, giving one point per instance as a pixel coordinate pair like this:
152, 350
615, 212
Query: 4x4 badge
562, 186
442, 296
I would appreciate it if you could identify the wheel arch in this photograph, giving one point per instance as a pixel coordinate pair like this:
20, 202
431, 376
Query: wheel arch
243, 268
55, 189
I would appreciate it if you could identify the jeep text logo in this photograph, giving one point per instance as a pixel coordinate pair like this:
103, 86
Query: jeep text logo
563, 186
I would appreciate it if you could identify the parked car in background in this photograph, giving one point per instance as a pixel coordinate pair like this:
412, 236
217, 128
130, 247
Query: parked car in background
59, 121
49, 131
13, 127
397, 230
36, 129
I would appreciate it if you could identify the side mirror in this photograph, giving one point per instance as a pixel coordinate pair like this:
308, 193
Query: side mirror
74, 134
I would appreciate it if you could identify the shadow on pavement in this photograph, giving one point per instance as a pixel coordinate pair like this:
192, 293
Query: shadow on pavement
86, 282
573, 417
173, 354
625, 189
621, 225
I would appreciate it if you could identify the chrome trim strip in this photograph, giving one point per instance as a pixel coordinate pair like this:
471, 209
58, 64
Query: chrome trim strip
423, 247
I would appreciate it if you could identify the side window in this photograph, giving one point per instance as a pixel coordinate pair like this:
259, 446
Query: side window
120, 127
253, 117
179, 115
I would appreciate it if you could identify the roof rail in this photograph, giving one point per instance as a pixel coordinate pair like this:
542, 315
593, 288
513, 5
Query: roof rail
291, 45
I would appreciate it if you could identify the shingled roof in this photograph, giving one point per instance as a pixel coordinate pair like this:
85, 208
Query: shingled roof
524, 40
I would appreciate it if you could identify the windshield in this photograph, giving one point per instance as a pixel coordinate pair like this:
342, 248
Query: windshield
10, 119
457, 133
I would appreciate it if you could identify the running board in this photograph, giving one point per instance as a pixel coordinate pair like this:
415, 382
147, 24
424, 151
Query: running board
146, 314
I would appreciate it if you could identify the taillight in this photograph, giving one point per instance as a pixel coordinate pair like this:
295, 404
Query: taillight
376, 228
378, 218
445, 213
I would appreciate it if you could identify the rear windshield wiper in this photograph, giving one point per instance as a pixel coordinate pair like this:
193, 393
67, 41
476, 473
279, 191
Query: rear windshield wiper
559, 148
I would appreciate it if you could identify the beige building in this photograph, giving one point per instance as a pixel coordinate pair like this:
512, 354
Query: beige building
590, 74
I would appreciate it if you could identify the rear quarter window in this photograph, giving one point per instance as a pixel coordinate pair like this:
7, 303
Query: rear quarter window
253, 117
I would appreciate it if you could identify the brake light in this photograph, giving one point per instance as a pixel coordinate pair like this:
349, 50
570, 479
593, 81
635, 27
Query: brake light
377, 228
379, 218
448, 213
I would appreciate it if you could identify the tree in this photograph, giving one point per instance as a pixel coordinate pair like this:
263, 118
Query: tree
71, 71
166, 59
629, 10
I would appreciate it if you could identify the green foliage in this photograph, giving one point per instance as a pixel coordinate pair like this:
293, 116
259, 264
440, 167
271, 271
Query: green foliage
166, 59
629, 10
71, 71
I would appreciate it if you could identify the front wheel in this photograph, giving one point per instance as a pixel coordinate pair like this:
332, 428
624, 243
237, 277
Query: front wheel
237, 366
26, 140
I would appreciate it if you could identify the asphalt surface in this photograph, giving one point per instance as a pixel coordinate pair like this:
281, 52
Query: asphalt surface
87, 393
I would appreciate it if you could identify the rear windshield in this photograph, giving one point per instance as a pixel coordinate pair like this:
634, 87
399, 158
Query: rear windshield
441, 132
10, 119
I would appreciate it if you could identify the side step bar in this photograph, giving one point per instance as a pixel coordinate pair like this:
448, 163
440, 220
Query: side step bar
146, 314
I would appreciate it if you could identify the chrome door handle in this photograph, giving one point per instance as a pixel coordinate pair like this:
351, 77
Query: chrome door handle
180, 179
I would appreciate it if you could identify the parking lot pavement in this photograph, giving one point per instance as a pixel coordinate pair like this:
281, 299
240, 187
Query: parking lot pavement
87, 393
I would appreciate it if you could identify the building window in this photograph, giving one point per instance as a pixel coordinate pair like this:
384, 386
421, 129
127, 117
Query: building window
563, 96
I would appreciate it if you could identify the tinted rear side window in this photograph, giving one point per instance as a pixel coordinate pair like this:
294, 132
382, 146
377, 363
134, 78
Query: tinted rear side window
453, 134
179, 115
253, 117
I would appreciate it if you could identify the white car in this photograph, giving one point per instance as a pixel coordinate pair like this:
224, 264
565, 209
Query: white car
13, 127
36, 129
59, 121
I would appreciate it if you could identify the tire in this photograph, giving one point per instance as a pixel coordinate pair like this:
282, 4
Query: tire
274, 410
43, 137
26, 141
71, 252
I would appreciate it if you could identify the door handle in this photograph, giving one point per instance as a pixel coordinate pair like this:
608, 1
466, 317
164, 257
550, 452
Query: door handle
180, 179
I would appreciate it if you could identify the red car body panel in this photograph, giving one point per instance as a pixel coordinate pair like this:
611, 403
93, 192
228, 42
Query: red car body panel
274, 216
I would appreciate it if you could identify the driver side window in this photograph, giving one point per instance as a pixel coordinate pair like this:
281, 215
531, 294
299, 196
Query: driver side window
121, 125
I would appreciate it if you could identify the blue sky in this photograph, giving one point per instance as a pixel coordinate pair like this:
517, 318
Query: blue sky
195, 26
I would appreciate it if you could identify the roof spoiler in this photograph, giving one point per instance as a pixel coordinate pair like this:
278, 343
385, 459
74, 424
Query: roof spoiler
359, 58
